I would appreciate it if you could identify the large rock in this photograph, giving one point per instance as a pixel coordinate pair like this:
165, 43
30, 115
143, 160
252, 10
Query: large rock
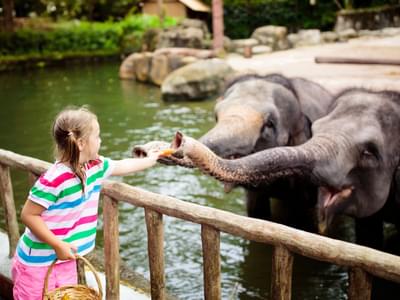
154, 67
189, 33
142, 64
197, 81
305, 37
272, 36
181, 37
160, 68
127, 68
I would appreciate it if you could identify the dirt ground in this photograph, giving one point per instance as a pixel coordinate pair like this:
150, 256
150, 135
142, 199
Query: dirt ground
335, 77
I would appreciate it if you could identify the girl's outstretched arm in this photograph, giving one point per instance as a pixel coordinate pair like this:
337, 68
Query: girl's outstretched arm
132, 165
30, 216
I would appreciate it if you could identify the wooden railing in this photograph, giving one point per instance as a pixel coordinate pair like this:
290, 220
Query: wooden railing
363, 262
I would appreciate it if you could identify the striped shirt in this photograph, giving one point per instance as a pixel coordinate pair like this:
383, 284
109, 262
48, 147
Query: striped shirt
70, 214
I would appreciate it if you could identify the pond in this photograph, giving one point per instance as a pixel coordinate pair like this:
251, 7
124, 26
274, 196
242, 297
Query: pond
129, 114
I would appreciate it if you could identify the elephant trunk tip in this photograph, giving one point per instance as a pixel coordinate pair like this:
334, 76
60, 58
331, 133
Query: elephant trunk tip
138, 152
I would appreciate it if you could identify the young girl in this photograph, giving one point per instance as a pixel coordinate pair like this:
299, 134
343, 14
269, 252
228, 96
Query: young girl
60, 213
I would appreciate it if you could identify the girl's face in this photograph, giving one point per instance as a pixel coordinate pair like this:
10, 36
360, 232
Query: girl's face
91, 146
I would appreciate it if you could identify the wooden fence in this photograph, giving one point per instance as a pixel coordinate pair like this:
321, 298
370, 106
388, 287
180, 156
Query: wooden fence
363, 262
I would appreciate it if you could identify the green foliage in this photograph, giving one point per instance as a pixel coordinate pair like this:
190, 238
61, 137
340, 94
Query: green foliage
243, 16
144, 22
99, 10
77, 36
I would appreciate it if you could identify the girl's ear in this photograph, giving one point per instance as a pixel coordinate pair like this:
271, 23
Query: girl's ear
80, 143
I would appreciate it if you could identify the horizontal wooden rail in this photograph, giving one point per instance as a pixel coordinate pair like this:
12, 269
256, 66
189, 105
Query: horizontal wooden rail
14, 160
314, 246
354, 60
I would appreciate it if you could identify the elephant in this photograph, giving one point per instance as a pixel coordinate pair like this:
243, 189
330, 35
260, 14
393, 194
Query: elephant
353, 158
257, 112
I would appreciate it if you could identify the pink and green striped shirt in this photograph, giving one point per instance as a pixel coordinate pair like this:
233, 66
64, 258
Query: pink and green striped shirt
69, 214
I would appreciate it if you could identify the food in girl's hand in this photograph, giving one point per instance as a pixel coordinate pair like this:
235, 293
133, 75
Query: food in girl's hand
167, 152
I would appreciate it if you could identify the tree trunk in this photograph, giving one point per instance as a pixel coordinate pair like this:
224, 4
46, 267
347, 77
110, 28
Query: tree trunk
160, 6
218, 24
8, 6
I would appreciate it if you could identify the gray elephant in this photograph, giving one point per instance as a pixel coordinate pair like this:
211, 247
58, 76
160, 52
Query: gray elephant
353, 157
259, 112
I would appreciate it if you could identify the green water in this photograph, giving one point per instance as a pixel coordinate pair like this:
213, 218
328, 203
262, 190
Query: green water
131, 114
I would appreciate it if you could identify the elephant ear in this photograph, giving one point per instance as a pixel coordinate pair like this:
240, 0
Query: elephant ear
302, 132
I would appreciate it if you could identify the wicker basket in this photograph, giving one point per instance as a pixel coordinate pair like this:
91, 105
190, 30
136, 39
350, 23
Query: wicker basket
73, 292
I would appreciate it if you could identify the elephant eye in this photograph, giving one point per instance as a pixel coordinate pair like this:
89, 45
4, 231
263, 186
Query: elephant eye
369, 157
269, 124
368, 154
268, 128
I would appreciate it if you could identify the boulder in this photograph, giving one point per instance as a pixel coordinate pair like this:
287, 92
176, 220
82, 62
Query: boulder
347, 34
160, 68
308, 37
196, 81
127, 68
329, 37
189, 33
142, 64
272, 36
181, 37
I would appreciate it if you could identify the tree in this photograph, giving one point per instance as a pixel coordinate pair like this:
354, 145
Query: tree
8, 7
218, 24
161, 12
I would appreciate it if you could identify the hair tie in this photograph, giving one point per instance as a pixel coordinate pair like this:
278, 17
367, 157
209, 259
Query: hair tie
70, 133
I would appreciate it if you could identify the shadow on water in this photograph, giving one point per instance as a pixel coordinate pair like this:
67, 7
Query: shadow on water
131, 114
311, 279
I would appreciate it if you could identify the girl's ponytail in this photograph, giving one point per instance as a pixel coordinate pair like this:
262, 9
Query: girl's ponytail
72, 154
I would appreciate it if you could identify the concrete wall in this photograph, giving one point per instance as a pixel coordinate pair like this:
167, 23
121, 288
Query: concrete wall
378, 18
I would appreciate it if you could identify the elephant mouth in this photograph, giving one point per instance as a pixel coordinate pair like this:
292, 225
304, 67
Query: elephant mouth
331, 201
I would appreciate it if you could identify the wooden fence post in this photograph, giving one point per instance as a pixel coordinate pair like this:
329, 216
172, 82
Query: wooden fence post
211, 262
155, 246
9, 208
32, 178
360, 284
111, 247
281, 281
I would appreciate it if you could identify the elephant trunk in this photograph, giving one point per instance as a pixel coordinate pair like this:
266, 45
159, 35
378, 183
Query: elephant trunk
261, 167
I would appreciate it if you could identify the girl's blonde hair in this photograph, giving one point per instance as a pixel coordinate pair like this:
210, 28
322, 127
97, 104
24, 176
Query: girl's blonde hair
70, 125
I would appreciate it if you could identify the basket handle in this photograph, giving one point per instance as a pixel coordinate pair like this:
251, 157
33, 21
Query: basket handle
92, 269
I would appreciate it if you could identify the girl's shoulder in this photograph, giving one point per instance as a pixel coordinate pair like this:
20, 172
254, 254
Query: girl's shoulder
56, 175
102, 166
94, 163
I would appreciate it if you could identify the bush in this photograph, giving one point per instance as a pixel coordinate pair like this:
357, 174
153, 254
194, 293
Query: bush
78, 36
243, 17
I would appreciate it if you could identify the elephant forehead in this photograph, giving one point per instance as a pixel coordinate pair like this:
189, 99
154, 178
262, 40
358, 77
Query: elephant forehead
245, 112
350, 118
256, 90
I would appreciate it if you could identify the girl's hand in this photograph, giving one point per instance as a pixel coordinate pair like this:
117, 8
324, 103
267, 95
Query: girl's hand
155, 154
65, 251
